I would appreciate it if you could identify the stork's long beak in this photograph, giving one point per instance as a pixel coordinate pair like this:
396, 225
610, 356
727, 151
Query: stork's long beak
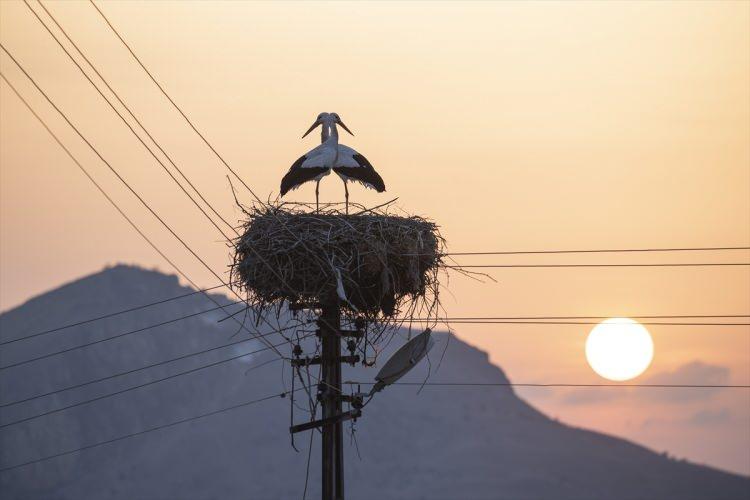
338, 120
312, 127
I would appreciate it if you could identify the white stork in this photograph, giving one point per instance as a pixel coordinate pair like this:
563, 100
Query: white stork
330, 155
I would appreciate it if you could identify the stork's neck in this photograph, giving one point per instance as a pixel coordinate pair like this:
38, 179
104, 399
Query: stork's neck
329, 133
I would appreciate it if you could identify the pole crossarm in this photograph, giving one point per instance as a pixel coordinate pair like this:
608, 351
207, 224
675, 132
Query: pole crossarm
313, 424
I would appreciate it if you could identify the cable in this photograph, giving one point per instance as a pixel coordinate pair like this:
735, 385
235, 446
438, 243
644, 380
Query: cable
500, 322
454, 318
286, 393
512, 384
107, 339
91, 320
98, 187
618, 250
190, 123
151, 429
241, 324
133, 115
134, 370
691, 264
224, 235
146, 384
138, 137
130, 188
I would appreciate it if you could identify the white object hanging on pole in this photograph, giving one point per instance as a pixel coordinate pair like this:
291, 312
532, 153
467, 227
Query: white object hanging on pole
403, 360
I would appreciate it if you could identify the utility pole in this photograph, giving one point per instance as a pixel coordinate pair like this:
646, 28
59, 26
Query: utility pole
331, 397
330, 323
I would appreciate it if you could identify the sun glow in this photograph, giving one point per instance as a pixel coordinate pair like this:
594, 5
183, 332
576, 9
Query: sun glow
619, 349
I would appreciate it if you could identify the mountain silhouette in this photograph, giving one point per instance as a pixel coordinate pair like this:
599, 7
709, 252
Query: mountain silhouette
434, 443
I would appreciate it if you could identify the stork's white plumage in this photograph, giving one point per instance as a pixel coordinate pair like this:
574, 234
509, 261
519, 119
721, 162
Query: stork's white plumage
352, 166
330, 155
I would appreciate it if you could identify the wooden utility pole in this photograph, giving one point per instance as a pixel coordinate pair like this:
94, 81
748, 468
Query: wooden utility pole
331, 396
330, 323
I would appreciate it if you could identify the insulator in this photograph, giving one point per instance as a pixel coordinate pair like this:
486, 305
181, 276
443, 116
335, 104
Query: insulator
297, 351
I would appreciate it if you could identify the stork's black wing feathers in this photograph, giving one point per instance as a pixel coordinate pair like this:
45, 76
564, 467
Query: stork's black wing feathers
298, 175
365, 173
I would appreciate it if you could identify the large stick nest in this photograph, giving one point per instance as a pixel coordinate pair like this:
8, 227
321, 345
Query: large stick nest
375, 263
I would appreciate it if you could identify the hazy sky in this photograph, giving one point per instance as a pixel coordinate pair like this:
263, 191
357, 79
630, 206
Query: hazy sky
515, 126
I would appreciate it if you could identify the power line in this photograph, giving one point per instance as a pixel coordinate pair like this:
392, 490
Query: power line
135, 370
119, 335
617, 250
668, 264
190, 123
151, 429
97, 318
105, 316
164, 167
93, 181
161, 88
513, 384
456, 253
138, 137
133, 115
241, 324
139, 386
531, 322
286, 393
195, 129
455, 318
179, 110
135, 193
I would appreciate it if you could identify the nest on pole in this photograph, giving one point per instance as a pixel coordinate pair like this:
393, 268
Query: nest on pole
379, 266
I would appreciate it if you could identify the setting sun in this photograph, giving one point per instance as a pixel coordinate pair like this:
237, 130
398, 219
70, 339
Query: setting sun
619, 349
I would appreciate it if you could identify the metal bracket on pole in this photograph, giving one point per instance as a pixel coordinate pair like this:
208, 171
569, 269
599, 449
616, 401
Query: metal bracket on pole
325, 421
316, 360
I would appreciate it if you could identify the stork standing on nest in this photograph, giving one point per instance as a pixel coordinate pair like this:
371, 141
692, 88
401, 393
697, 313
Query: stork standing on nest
330, 155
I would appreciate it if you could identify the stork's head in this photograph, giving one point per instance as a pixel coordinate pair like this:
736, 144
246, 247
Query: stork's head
326, 119
320, 120
337, 119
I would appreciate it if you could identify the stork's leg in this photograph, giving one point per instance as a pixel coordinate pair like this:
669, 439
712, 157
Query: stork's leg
317, 189
346, 190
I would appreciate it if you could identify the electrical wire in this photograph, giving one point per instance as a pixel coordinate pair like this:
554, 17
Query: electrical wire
114, 171
117, 313
649, 316
500, 322
546, 385
179, 110
158, 160
615, 250
665, 264
190, 123
145, 431
130, 188
138, 137
210, 146
140, 124
513, 384
135, 370
104, 193
139, 386
117, 336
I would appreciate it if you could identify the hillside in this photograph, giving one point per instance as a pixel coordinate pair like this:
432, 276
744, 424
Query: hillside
450, 443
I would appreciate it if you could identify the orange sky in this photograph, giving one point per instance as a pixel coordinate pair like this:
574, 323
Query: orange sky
514, 125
